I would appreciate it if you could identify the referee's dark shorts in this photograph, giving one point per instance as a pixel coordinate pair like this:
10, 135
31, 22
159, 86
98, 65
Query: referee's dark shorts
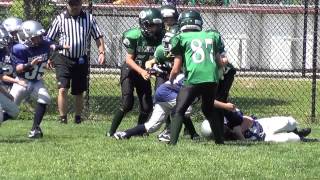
71, 69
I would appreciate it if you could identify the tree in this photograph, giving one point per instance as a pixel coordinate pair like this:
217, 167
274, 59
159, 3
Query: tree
39, 10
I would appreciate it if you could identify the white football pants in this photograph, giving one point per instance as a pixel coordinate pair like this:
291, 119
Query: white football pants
36, 89
161, 110
279, 129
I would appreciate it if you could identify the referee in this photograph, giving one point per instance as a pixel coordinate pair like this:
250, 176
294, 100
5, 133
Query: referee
74, 27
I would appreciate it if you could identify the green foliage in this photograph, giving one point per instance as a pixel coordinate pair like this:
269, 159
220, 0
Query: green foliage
17, 9
39, 10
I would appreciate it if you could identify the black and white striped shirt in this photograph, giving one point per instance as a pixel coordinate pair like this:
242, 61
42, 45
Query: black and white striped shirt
75, 32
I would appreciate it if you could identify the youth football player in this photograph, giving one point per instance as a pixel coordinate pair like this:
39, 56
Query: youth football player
198, 52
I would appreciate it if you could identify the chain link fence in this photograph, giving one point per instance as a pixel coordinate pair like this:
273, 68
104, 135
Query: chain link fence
272, 43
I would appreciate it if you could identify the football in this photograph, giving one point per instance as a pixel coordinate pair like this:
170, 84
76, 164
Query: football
206, 129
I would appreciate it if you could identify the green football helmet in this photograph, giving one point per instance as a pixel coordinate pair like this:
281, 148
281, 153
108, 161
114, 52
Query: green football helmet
190, 20
151, 17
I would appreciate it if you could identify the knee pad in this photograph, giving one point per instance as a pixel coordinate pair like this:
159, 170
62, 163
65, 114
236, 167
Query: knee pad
43, 97
292, 123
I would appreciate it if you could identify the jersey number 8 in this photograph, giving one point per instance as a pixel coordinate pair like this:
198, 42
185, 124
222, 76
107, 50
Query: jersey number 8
198, 55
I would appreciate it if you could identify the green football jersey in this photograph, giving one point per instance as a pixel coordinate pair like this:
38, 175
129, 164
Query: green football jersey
141, 47
161, 56
198, 50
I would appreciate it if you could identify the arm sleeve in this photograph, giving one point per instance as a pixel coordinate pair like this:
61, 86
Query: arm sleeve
54, 29
95, 31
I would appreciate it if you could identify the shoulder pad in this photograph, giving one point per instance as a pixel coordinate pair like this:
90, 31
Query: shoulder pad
18, 47
133, 33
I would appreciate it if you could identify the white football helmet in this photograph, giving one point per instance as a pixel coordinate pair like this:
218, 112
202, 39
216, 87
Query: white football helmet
206, 129
4, 37
12, 24
30, 29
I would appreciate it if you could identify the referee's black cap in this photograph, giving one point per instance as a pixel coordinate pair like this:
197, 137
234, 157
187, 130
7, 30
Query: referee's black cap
74, 2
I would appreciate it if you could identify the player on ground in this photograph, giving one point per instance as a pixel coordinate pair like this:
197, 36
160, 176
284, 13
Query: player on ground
198, 52
165, 101
270, 129
140, 43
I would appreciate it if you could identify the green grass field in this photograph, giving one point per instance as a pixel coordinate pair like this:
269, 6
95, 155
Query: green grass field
84, 152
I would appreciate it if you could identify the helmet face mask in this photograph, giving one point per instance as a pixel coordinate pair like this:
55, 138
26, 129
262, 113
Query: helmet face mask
169, 21
190, 21
150, 22
166, 40
36, 40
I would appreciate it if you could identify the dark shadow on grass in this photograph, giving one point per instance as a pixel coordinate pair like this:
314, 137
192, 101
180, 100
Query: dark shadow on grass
97, 104
246, 143
253, 101
108, 105
15, 140
236, 143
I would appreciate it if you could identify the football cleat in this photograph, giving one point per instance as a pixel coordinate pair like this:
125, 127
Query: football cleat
77, 120
36, 133
164, 136
63, 121
195, 137
120, 135
304, 132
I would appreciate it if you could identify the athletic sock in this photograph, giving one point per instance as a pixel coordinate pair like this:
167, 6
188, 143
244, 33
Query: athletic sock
38, 116
136, 131
217, 126
143, 117
77, 119
116, 122
189, 126
175, 129
168, 121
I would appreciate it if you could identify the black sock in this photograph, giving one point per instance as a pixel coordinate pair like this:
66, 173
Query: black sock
143, 117
168, 121
189, 126
77, 119
136, 131
6, 116
116, 122
175, 128
38, 116
217, 126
